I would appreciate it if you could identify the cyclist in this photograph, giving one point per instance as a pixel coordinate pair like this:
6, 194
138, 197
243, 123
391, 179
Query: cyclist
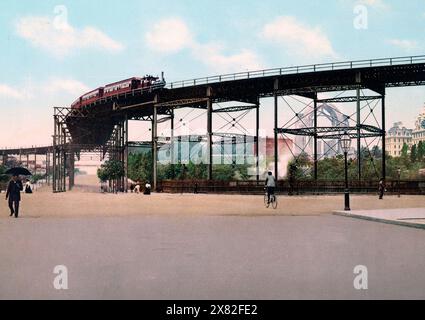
270, 185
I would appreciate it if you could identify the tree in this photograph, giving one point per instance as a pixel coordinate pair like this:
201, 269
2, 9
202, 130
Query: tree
111, 171
376, 152
420, 151
102, 175
140, 166
413, 154
223, 172
404, 151
3, 177
37, 177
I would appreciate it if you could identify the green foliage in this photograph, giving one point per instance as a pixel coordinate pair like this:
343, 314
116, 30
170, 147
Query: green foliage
224, 172
413, 153
405, 151
102, 174
3, 177
420, 151
110, 170
300, 168
333, 168
37, 177
140, 167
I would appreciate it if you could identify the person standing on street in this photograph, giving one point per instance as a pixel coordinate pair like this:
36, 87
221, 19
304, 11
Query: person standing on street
13, 194
270, 185
381, 189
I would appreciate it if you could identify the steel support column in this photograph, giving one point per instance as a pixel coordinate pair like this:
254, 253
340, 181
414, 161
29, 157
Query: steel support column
209, 139
71, 170
54, 155
179, 150
222, 151
155, 148
315, 141
48, 168
384, 149
244, 150
64, 169
126, 153
234, 152
257, 139
276, 137
173, 172
359, 145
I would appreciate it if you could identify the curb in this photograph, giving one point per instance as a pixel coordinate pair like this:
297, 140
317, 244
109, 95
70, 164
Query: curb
386, 221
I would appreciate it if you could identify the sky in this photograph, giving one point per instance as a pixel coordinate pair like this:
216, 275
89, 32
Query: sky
52, 52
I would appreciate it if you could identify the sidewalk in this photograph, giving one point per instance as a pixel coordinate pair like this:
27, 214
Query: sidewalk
411, 217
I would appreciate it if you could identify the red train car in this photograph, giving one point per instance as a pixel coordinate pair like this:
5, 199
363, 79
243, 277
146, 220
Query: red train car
91, 97
116, 88
88, 98
123, 86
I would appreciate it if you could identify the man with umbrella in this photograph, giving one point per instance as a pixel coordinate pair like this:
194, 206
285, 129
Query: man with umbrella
14, 188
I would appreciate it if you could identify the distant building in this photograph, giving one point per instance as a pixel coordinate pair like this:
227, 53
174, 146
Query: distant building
419, 131
286, 154
325, 148
396, 137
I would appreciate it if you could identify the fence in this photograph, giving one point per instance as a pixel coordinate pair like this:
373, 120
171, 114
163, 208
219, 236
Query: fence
299, 69
295, 188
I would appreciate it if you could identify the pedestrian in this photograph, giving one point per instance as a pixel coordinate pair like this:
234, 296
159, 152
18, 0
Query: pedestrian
28, 187
137, 187
148, 188
381, 189
13, 195
270, 185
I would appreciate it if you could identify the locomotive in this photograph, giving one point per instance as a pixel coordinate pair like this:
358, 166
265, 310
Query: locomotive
121, 87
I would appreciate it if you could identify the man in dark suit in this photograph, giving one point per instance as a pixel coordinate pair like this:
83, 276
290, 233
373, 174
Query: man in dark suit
13, 194
381, 189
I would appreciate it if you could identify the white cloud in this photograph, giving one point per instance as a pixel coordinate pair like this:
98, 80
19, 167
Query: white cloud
173, 35
212, 55
169, 36
62, 39
65, 86
298, 38
7, 91
406, 45
48, 90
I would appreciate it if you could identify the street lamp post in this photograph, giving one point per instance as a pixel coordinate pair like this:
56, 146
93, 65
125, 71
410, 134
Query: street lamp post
398, 182
345, 142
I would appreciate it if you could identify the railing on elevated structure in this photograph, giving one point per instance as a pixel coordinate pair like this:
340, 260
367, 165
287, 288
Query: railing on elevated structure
346, 65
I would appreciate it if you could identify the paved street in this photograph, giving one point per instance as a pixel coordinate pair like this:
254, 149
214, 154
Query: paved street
210, 257
412, 217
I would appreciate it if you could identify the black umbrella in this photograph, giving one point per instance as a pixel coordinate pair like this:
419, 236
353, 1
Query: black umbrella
19, 171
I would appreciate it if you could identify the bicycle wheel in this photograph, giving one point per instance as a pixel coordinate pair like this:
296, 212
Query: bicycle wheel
266, 202
274, 202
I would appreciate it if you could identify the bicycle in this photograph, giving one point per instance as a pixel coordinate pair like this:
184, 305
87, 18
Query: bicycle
273, 200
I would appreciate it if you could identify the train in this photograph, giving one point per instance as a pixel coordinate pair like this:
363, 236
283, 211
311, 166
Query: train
117, 88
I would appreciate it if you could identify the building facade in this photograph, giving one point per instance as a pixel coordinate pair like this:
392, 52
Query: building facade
397, 136
419, 131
